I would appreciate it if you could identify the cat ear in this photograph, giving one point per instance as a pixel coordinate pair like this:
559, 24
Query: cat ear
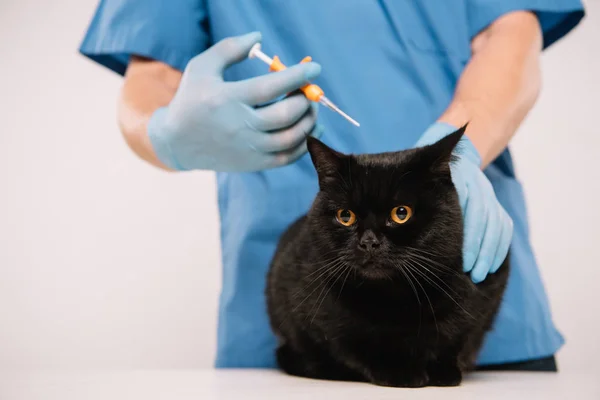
440, 153
327, 161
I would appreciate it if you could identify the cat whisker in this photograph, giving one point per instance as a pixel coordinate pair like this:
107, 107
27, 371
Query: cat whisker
331, 262
323, 284
345, 279
430, 305
410, 283
330, 268
317, 287
328, 290
432, 282
428, 252
424, 267
401, 268
334, 267
430, 261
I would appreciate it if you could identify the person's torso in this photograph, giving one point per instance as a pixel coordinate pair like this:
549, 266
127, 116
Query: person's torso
393, 65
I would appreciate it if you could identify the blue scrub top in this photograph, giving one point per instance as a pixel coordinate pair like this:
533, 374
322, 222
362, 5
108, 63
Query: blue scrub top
391, 64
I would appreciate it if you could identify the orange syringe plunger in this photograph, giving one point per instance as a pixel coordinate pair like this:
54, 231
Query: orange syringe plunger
311, 91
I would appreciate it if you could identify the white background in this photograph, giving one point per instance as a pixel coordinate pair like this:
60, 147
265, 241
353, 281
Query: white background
108, 262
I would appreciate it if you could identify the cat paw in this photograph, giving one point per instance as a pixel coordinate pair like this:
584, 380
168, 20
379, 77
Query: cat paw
402, 379
446, 375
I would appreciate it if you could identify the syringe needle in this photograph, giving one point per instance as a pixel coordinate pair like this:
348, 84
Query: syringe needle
311, 91
328, 103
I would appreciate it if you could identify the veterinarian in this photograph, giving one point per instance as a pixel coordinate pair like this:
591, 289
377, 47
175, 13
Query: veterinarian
409, 71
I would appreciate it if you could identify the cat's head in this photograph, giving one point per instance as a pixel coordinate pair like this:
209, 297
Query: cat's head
378, 212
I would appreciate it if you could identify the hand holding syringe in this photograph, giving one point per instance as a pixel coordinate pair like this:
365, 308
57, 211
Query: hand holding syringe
311, 91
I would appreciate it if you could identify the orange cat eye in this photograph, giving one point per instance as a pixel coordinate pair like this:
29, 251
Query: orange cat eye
401, 214
345, 217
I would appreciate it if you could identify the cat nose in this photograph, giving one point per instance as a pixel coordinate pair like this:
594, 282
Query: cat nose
368, 241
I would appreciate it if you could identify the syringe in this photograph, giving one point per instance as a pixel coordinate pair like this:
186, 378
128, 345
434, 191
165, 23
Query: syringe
311, 91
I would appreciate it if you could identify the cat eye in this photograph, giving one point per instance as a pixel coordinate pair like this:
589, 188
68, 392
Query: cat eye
345, 217
401, 214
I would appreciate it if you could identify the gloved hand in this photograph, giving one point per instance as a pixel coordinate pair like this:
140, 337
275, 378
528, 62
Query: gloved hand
213, 125
488, 228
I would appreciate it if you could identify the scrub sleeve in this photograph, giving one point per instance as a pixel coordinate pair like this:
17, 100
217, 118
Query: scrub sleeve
163, 30
557, 17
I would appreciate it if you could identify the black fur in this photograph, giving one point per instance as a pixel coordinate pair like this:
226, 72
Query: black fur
403, 314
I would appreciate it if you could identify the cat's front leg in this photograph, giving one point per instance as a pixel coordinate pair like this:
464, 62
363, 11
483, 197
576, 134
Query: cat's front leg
399, 377
444, 371
386, 366
312, 363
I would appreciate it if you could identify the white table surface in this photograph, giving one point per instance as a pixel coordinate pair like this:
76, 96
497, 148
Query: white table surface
268, 384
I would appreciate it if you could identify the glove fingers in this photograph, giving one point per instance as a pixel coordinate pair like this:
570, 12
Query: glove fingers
285, 139
461, 189
265, 88
474, 227
225, 53
281, 114
489, 245
505, 240
286, 157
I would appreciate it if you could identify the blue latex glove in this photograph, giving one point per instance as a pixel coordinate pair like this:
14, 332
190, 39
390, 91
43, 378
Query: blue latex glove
488, 228
215, 125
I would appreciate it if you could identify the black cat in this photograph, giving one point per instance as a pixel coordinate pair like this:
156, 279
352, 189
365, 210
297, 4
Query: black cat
369, 286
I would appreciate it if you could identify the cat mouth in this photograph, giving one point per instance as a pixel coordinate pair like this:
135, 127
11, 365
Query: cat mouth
367, 259
371, 267
374, 271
